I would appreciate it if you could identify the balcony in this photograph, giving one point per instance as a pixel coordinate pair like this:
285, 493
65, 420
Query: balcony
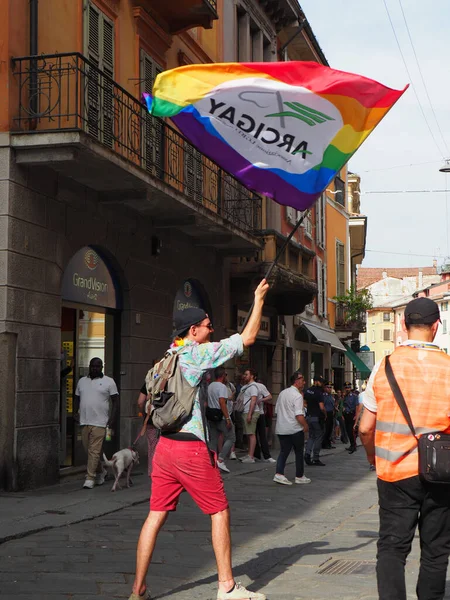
75, 119
350, 320
179, 15
291, 285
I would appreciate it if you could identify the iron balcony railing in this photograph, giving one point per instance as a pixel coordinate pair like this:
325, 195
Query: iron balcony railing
350, 319
67, 92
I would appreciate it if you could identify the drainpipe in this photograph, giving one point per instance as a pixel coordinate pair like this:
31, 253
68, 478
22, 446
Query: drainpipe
33, 52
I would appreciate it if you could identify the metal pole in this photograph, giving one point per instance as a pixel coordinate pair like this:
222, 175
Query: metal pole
277, 258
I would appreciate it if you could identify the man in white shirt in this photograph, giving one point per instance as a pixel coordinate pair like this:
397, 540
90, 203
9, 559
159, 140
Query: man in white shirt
290, 428
251, 412
92, 398
218, 404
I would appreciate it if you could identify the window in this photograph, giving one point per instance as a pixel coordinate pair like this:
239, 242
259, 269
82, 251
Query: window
373, 336
193, 172
99, 48
291, 215
307, 224
444, 326
152, 136
386, 316
340, 269
339, 187
322, 287
320, 220
444, 307
386, 335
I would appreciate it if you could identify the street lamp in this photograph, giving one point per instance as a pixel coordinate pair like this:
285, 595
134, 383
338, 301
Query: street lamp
446, 166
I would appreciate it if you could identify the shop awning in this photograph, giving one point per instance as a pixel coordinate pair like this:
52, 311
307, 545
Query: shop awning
324, 335
360, 366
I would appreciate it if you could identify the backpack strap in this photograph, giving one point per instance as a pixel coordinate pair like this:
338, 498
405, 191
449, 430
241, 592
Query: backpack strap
203, 398
398, 395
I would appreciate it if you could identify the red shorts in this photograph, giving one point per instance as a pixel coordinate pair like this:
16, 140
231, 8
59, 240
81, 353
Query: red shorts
179, 466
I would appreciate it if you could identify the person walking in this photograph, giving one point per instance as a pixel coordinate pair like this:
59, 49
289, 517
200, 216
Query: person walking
251, 412
350, 405
328, 402
262, 445
291, 428
92, 398
221, 423
182, 460
316, 417
405, 501
340, 417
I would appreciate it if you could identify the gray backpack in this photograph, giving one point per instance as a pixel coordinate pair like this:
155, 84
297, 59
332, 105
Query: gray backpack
170, 398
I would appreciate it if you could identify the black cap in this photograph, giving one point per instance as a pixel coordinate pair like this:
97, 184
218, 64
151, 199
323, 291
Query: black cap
348, 384
421, 311
187, 318
318, 378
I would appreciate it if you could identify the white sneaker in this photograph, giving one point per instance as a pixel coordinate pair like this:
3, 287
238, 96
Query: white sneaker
88, 484
282, 479
247, 459
270, 460
233, 456
240, 593
223, 467
100, 477
302, 480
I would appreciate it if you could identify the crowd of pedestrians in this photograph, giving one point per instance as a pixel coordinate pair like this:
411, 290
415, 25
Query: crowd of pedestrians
307, 421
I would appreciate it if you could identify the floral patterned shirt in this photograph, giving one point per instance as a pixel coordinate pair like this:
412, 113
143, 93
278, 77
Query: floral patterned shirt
194, 360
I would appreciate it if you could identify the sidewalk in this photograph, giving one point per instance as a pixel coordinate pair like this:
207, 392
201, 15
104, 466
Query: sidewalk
315, 541
66, 503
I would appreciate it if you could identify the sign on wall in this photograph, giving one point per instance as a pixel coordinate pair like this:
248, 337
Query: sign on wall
191, 294
88, 280
264, 330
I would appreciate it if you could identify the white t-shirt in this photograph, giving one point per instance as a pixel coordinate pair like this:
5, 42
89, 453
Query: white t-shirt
94, 399
231, 392
263, 392
250, 390
216, 390
289, 405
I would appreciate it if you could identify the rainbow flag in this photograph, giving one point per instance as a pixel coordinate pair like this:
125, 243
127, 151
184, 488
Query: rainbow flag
284, 129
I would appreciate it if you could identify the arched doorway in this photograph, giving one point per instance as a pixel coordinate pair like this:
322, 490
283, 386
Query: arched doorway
90, 321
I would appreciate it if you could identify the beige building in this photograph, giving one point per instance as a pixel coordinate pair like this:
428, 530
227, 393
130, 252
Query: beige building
380, 331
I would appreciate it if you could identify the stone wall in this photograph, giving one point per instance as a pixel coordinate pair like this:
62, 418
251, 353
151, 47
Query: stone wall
44, 219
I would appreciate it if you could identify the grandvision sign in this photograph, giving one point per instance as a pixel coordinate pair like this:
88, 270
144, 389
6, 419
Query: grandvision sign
88, 280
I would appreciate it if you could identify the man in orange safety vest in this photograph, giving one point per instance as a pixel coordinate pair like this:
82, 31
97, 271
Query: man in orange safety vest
420, 368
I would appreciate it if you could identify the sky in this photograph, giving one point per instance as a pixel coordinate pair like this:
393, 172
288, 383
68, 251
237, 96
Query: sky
404, 229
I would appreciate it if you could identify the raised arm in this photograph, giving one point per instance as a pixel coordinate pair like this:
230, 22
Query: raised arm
254, 323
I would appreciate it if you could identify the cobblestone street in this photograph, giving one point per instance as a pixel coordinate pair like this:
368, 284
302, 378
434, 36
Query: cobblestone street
282, 537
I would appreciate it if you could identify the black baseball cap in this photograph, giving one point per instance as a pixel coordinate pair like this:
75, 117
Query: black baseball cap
422, 311
318, 378
185, 319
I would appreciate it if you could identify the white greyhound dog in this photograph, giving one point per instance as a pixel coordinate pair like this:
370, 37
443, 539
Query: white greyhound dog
123, 460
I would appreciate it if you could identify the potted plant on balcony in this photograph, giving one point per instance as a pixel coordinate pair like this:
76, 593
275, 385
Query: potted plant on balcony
353, 305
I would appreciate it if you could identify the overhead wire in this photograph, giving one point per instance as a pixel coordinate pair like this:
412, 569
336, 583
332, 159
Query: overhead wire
422, 78
428, 162
411, 79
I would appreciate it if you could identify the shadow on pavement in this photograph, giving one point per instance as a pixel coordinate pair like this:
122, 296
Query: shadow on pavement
259, 568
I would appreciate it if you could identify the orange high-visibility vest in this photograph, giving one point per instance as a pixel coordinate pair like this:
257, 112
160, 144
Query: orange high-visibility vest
423, 375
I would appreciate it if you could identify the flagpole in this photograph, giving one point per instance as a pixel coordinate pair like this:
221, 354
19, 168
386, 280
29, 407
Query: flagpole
277, 258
